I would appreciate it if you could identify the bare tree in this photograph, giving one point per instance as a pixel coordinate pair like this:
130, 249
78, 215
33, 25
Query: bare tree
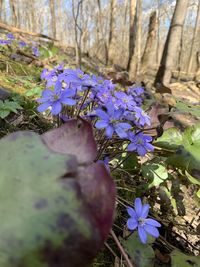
191, 57
53, 17
172, 44
13, 12
135, 60
77, 30
111, 38
132, 31
1, 9
100, 35
151, 37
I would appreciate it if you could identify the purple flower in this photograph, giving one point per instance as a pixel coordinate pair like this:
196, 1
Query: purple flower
138, 219
74, 77
10, 36
136, 91
140, 143
5, 42
22, 44
125, 101
141, 116
110, 121
56, 98
35, 51
104, 95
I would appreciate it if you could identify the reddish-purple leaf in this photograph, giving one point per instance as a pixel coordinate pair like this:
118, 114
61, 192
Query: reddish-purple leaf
74, 137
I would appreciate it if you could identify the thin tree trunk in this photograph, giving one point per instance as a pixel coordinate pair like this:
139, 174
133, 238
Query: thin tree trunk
53, 18
134, 69
139, 36
151, 37
172, 44
132, 31
158, 34
100, 31
111, 39
13, 13
77, 31
1, 9
194, 39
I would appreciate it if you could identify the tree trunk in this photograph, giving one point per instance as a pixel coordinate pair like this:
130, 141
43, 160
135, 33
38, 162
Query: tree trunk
132, 31
100, 31
13, 13
151, 38
77, 31
1, 9
194, 39
111, 38
172, 44
135, 61
158, 34
53, 18
139, 36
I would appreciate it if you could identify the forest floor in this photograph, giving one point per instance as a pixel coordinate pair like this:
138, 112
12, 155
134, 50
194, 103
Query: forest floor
179, 213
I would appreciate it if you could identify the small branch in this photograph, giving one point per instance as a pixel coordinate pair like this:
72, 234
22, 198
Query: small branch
17, 30
129, 264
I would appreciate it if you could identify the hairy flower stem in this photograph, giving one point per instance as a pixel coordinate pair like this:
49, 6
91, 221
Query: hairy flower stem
84, 98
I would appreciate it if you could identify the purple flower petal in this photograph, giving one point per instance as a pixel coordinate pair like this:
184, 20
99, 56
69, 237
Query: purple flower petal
68, 93
120, 132
145, 211
138, 207
132, 213
58, 87
151, 230
109, 131
68, 101
47, 93
124, 125
142, 234
152, 222
56, 108
131, 147
132, 224
102, 114
44, 106
101, 124
141, 150
110, 109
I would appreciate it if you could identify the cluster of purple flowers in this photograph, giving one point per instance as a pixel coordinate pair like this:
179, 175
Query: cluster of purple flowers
118, 112
10, 38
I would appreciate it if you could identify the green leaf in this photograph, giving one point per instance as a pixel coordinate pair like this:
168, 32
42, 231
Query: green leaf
186, 146
141, 255
179, 259
187, 108
171, 139
4, 113
198, 193
131, 164
156, 173
36, 91
192, 179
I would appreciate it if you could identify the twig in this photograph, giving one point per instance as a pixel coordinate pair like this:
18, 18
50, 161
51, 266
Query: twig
111, 250
129, 264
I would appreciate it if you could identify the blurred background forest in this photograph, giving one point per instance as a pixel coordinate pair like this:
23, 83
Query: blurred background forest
129, 34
